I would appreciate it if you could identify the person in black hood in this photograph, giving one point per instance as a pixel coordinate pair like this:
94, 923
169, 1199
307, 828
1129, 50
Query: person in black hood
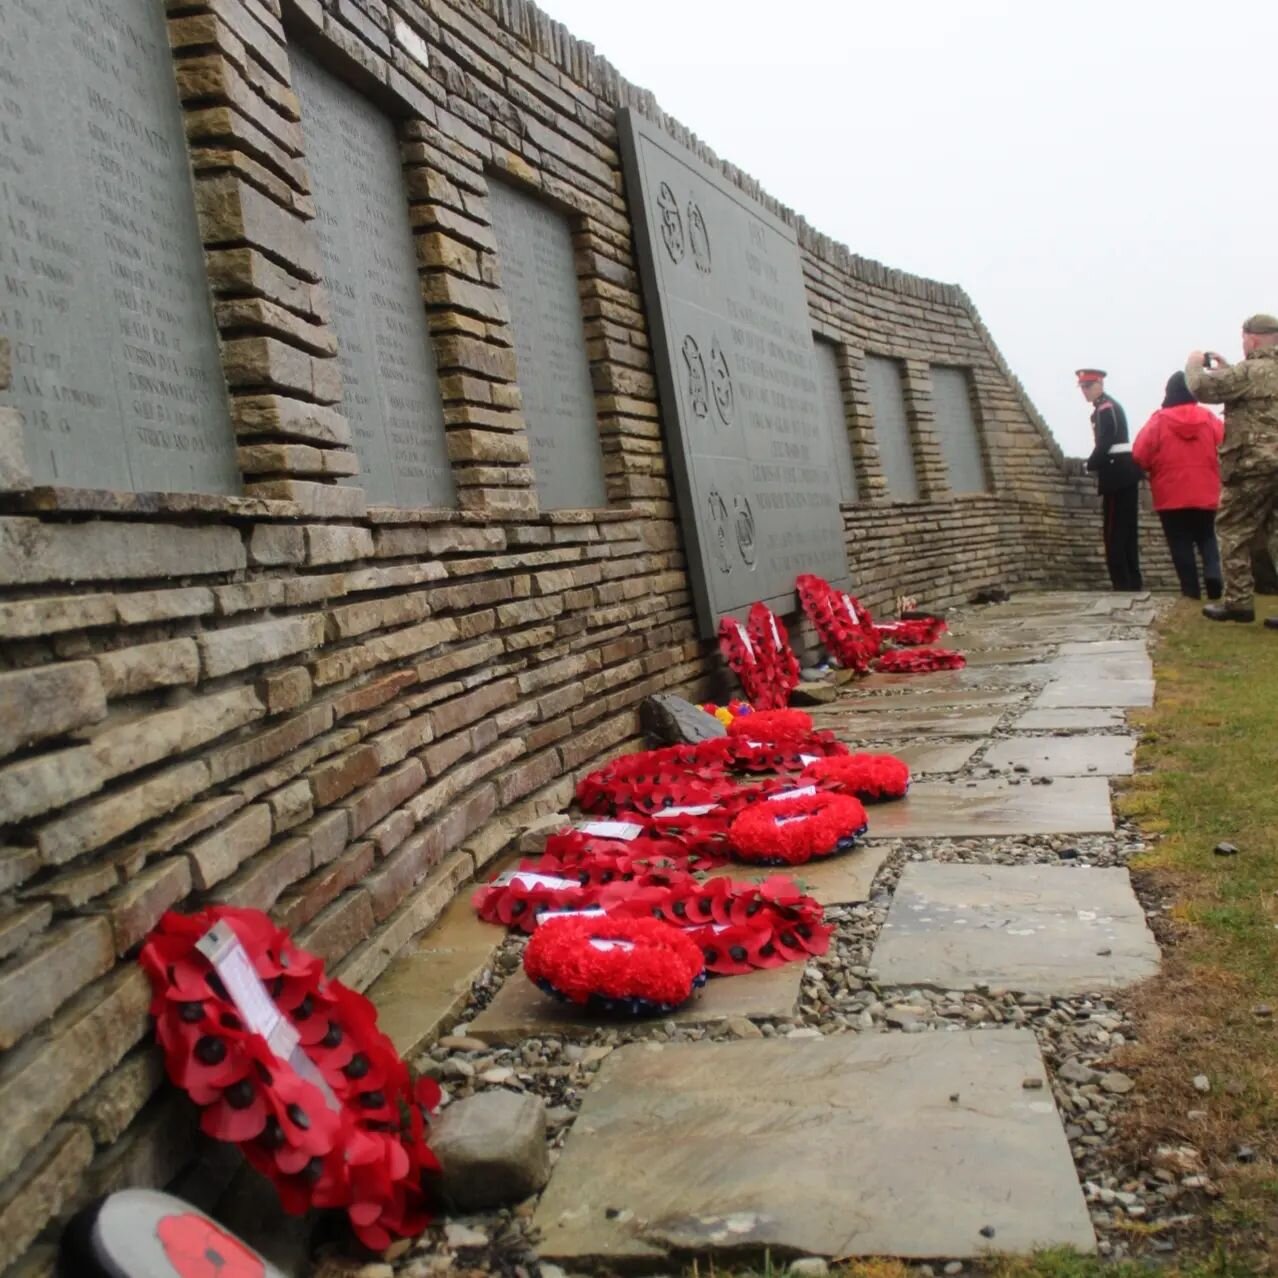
1117, 481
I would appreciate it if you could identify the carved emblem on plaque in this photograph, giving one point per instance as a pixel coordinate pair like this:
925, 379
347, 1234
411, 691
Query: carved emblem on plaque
699, 236
698, 391
671, 223
745, 530
721, 383
719, 530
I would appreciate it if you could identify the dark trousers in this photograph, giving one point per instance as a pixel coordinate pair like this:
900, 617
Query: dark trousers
1122, 548
1188, 530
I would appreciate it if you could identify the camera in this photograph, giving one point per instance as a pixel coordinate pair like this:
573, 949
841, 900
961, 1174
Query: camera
1208, 360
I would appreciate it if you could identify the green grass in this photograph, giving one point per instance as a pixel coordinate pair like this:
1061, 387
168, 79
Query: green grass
1207, 773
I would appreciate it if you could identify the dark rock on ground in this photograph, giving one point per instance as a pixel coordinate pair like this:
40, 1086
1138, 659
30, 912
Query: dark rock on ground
670, 719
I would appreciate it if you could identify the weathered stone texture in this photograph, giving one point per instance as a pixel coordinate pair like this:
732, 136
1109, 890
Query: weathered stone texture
286, 700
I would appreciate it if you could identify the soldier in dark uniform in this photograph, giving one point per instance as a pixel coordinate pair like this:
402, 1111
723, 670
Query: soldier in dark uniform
1117, 481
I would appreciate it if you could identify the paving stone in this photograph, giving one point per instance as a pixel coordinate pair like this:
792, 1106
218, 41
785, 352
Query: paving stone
520, 1010
960, 721
1103, 646
816, 1147
1044, 929
1083, 692
1074, 756
841, 880
966, 809
928, 699
1066, 719
428, 982
924, 757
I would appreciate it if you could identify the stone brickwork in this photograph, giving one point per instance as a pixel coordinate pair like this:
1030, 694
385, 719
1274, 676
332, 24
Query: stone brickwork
292, 700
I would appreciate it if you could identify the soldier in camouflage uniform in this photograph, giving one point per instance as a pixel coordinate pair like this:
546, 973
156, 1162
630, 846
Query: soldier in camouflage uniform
1248, 459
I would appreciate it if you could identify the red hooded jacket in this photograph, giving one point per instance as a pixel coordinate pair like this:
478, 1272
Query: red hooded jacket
1176, 448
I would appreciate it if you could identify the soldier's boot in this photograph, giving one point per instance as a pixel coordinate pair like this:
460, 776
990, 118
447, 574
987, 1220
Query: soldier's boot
1222, 612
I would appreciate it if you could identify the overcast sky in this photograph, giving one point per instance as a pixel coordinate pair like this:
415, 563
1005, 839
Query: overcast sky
1102, 178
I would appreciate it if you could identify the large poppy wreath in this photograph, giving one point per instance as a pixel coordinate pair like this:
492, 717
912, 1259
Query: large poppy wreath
363, 1146
793, 831
632, 966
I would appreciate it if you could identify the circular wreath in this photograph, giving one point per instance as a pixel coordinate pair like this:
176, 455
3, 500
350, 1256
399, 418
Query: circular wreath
369, 1153
797, 830
618, 966
772, 725
650, 780
869, 777
919, 660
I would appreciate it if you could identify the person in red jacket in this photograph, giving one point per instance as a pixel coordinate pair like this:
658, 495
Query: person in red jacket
1176, 448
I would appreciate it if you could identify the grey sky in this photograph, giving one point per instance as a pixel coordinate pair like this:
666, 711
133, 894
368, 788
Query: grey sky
1102, 178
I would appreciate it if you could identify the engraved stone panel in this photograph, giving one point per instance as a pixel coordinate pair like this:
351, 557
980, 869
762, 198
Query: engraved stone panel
103, 293
539, 279
758, 488
390, 386
956, 429
827, 365
892, 427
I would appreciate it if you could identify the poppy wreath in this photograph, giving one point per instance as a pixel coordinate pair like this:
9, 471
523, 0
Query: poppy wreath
871, 778
369, 1155
738, 650
648, 780
837, 625
617, 966
744, 926
913, 633
919, 660
776, 657
772, 725
787, 756
798, 830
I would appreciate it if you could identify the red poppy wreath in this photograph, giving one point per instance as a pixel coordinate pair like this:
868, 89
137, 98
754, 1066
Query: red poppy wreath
616, 966
342, 1125
919, 660
772, 725
870, 777
794, 831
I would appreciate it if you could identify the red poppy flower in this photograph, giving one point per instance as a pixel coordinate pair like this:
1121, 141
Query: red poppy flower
197, 1248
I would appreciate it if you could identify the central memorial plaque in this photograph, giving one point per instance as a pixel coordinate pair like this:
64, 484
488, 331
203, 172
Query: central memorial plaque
390, 385
758, 489
103, 293
539, 279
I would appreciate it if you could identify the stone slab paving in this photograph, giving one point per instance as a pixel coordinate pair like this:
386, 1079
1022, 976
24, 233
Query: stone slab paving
1069, 719
842, 880
1086, 691
1020, 654
1079, 755
926, 758
520, 1010
981, 809
431, 979
959, 721
920, 1146
1104, 647
925, 699
1046, 930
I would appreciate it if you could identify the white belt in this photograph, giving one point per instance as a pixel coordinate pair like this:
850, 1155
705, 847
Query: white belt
1120, 448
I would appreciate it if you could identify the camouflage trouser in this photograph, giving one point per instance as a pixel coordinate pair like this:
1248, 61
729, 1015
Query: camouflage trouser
1248, 500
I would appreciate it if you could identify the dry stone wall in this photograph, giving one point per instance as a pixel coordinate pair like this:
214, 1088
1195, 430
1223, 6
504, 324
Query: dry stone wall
294, 700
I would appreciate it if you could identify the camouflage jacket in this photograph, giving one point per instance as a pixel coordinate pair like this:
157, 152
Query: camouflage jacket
1249, 392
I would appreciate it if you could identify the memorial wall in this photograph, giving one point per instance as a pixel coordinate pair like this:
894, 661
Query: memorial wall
392, 397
